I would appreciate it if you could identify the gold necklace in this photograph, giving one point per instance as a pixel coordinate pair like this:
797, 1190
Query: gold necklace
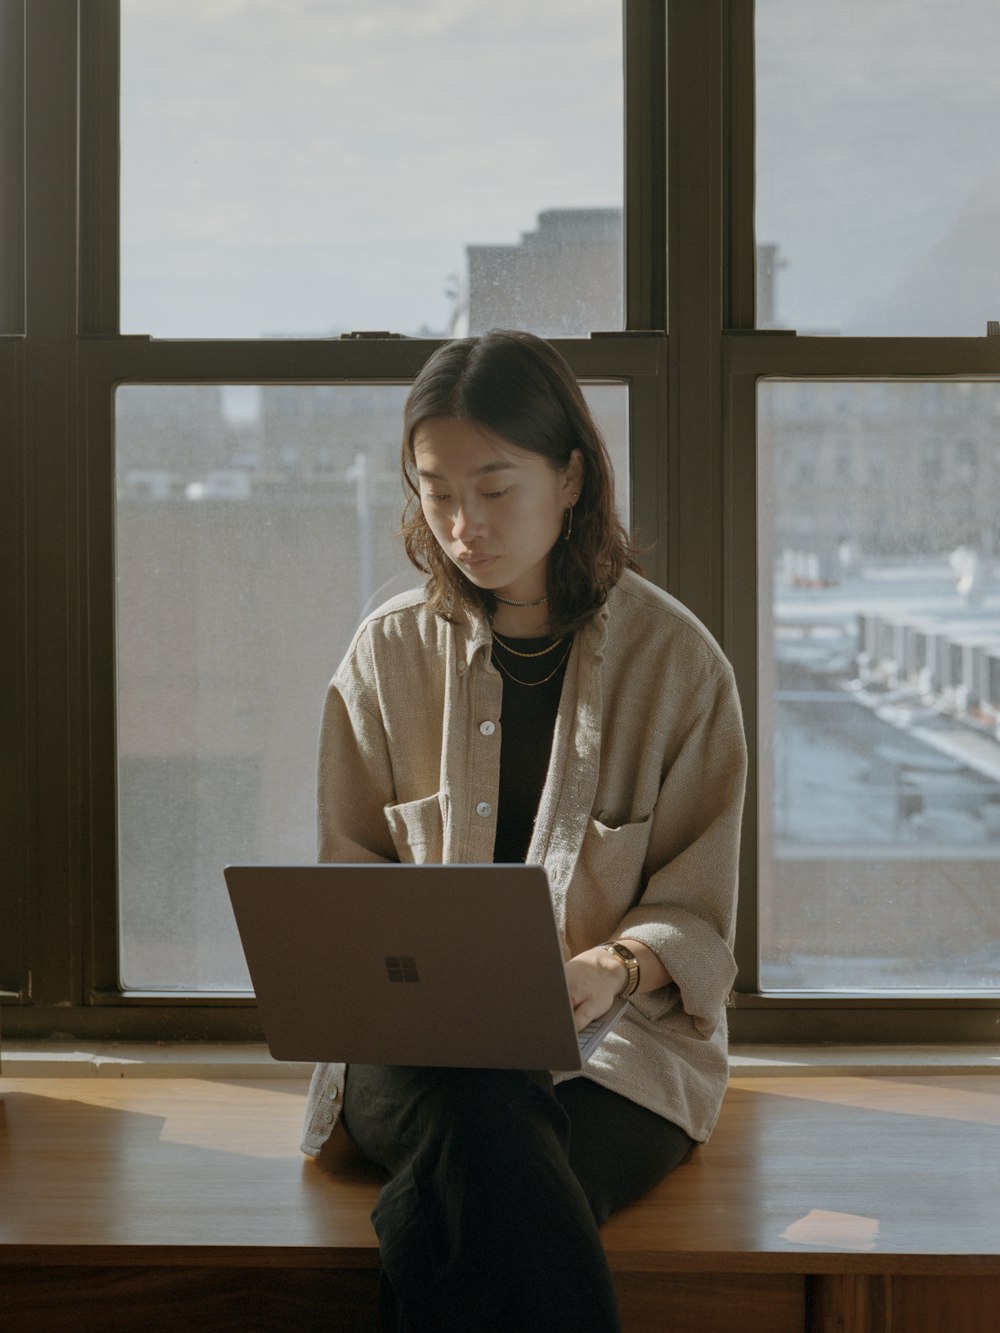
506, 646
517, 681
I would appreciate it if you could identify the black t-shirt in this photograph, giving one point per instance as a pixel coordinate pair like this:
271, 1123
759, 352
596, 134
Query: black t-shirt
532, 672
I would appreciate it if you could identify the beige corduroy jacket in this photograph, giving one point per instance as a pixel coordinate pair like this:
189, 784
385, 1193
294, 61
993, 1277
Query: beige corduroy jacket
638, 824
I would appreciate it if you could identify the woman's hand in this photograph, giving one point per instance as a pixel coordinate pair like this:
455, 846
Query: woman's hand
595, 978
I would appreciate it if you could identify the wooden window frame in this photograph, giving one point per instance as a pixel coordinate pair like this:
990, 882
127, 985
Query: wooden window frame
689, 151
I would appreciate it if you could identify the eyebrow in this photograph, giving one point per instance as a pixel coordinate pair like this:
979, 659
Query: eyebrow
476, 472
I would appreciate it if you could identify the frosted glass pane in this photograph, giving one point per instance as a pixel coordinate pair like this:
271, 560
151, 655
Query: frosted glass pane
880, 686
296, 169
255, 525
876, 170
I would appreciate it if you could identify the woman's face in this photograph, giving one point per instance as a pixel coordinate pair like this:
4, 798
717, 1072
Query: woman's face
495, 509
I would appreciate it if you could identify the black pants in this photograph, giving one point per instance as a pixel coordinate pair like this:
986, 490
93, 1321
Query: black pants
498, 1183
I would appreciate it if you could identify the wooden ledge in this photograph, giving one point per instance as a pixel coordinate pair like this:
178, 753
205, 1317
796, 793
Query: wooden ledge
802, 1174
820, 1203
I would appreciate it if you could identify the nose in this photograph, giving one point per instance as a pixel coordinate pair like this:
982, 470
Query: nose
467, 523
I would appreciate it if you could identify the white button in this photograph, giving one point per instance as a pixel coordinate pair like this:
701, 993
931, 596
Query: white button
461, 666
485, 809
487, 727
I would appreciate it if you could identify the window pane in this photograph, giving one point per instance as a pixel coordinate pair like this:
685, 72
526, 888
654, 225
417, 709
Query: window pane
876, 165
254, 527
880, 686
296, 169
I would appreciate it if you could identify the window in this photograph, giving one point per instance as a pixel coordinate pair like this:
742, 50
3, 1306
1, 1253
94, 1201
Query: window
199, 407
297, 169
255, 527
876, 191
880, 763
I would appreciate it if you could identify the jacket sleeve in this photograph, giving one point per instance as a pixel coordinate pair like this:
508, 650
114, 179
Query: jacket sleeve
686, 912
355, 781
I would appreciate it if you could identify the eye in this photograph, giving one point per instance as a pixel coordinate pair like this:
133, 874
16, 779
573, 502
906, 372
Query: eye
496, 495
434, 495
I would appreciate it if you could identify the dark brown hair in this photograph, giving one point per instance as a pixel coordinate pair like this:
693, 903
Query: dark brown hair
518, 387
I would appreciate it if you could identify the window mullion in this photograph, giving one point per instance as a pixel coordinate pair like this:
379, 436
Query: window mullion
696, 192
740, 294
12, 166
15, 815
645, 48
100, 84
55, 703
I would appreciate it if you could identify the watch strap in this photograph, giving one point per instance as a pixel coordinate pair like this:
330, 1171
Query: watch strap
626, 956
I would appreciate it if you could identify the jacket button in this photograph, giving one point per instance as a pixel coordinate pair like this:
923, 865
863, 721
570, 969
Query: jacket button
487, 727
485, 809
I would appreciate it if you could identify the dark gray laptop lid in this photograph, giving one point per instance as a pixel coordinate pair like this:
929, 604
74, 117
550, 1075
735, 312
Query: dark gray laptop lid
403, 964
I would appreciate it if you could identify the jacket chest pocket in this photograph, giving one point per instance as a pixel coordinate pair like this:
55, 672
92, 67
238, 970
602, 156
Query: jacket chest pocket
611, 861
417, 829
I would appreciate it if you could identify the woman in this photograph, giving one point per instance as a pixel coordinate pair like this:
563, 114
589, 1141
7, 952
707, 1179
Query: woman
538, 701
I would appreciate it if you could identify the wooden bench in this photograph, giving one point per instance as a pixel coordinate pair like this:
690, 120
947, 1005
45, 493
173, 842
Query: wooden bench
859, 1204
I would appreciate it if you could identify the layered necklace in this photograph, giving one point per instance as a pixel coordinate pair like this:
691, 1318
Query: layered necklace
500, 643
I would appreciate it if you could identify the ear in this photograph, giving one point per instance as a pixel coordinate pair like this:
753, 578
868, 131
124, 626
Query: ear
573, 474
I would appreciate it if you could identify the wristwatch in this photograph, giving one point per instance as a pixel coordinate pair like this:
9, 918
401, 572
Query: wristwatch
626, 956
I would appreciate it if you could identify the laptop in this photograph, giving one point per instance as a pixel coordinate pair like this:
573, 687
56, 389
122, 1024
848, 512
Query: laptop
456, 965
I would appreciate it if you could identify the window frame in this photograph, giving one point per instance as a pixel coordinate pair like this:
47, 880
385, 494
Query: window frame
11, 167
821, 1016
689, 153
107, 365
15, 815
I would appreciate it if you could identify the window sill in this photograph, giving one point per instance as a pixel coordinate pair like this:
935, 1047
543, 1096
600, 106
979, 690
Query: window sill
114, 1059
216, 1060
759, 1061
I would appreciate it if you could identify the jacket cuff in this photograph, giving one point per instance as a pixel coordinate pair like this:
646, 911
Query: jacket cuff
700, 963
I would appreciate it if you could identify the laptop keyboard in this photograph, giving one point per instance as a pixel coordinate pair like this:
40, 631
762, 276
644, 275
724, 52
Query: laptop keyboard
596, 1030
586, 1033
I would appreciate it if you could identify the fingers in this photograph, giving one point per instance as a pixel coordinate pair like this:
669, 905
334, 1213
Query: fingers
586, 1013
593, 984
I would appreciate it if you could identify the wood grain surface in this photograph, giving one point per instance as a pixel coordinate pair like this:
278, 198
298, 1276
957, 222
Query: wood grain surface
821, 1205
804, 1174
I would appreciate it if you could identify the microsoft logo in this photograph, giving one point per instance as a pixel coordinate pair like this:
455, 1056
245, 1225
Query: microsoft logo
401, 968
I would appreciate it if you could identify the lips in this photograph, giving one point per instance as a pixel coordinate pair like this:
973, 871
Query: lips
474, 560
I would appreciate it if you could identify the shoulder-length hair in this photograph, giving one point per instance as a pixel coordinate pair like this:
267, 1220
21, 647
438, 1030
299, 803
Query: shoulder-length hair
518, 387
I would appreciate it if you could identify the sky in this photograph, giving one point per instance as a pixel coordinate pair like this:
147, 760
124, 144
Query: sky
877, 169
307, 167
310, 166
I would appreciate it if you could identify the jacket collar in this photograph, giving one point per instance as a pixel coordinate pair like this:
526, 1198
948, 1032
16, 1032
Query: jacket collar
473, 633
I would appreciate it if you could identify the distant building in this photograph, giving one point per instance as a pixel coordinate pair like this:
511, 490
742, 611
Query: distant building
889, 468
565, 279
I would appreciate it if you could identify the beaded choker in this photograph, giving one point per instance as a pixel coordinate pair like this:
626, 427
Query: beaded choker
511, 601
